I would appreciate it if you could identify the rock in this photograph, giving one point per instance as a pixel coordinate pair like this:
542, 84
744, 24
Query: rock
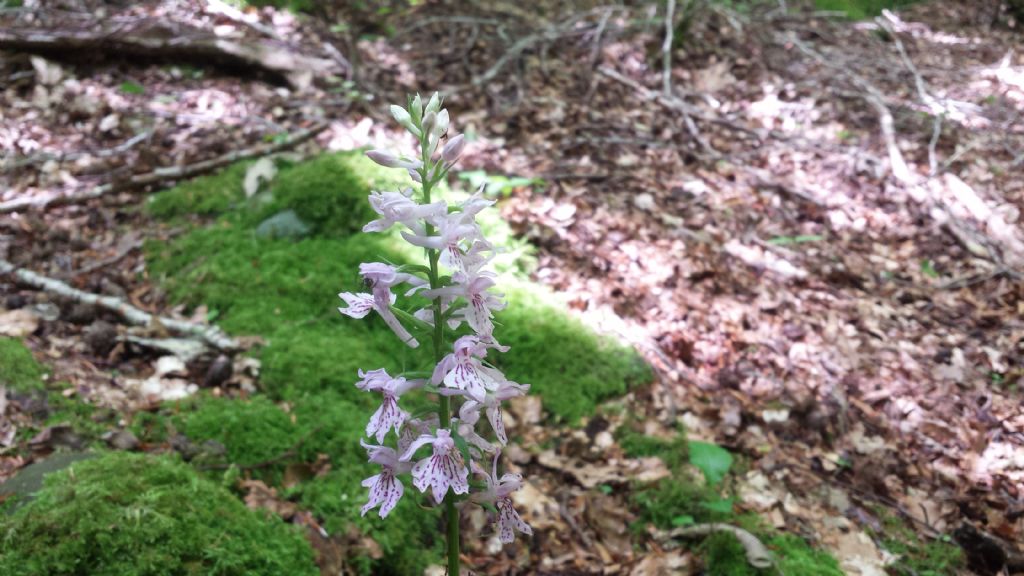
644, 202
285, 224
29, 479
82, 313
111, 288
219, 372
47, 311
15, 301
57, 436
121, 440
101, 337
18, 323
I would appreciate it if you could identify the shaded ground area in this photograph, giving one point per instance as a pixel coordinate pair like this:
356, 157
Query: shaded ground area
812, 237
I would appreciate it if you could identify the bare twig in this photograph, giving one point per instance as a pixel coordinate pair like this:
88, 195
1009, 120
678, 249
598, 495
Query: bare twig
212, 335
69, 156
161, 174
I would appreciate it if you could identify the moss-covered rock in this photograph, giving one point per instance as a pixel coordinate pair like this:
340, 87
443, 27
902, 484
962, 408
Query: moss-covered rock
135, 515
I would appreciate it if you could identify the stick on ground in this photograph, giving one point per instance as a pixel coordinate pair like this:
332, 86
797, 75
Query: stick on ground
212, 335
161, 174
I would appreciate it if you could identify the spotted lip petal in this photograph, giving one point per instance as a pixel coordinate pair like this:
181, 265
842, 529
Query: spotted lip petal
444, 469
385, 491
509, 519
387, 416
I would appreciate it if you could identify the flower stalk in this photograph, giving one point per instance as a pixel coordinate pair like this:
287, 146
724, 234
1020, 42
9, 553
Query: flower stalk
458, 318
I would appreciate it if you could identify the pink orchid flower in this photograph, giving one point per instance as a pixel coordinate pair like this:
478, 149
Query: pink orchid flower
388, 415
385, 489
444, 469
498, 493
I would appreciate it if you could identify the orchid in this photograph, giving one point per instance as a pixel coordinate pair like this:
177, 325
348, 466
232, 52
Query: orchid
389, 415
385, 489
443, 469
497, 493
463, 296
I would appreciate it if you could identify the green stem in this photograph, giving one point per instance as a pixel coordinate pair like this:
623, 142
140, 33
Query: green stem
444, 407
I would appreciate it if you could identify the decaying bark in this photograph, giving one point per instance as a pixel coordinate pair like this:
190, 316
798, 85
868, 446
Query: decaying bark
212, 335
161, 174
170, 41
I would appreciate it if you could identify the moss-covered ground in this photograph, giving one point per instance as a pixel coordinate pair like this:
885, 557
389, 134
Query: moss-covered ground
286, 292
136, 515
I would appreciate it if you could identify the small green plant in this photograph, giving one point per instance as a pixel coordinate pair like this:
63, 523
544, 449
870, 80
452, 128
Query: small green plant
802, 239
495, 185
132, 88
917, 557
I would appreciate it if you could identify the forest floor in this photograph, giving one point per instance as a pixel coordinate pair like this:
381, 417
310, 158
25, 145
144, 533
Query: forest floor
813, 237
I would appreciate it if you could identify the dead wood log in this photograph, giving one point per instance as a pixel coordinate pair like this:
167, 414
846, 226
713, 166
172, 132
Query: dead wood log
161, 174
212, 335
167, 41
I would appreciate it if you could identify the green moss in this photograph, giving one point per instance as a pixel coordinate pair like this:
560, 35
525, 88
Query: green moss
918, 557
725, 556
861, 9
253, 431
19, 370
135, 515
674, 451
410, 537
570, 367
209, 195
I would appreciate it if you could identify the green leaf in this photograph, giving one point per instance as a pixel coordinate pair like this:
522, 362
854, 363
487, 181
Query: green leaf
684, 520
132, 88
723, 506
928, 269
713, 460
785, 240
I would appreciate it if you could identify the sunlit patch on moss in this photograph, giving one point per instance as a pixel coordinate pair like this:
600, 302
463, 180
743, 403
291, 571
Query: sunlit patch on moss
134, 515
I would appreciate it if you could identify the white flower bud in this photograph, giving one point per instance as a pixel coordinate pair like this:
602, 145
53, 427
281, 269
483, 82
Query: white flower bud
402, 117
434, 104
416, 109
429, 120
453, 149
384, 158
441, 124
415, 175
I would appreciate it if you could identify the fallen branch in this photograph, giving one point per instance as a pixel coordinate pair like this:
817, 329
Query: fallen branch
167, 40
70, 156
161, 174
212, 335
689, 111
757, 554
